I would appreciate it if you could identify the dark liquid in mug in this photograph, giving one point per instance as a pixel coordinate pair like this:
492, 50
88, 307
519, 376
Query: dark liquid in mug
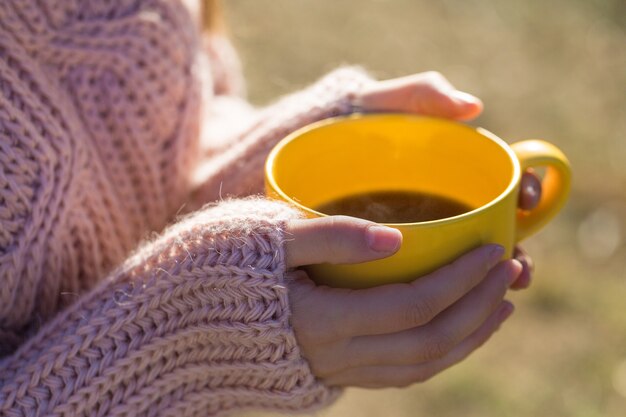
396, 207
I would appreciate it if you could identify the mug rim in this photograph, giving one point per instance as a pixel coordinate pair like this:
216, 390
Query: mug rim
270, 163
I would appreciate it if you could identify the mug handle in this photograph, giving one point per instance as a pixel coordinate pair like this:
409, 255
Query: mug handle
555, 185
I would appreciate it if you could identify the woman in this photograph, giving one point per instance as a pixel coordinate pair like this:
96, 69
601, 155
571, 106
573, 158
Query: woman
113, 119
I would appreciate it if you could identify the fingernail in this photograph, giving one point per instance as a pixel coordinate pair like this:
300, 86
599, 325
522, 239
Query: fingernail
529, 198
515, 271
383, 238
465, 98
530, 191
496, 253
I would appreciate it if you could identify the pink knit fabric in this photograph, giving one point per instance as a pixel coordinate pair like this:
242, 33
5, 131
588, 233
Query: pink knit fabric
112, 121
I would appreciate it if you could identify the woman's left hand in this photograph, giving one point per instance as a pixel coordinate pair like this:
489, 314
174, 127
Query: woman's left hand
431, 94
427, 93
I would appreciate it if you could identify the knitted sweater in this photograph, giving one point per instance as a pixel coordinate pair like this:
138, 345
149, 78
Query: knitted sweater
113, 119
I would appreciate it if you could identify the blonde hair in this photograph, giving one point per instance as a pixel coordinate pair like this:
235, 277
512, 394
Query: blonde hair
212, 18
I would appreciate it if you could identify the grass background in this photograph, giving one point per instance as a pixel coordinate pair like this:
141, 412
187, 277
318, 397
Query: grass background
549, 69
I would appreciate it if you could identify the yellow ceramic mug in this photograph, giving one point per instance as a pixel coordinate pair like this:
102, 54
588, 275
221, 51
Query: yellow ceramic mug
344, 156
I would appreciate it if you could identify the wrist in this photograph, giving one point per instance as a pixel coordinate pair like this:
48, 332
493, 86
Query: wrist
349, 83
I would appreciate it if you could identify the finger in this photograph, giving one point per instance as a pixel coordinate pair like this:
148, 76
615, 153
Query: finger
428, 93
396, 307
402, 376
338, 239
441, 335
525, 278
433, 95
530, 191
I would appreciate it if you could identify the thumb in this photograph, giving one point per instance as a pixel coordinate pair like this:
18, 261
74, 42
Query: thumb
338, 240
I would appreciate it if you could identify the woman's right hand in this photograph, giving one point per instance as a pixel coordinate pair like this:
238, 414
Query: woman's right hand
397, 334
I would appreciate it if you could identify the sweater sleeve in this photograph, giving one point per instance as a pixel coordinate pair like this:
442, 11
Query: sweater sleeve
196, 322
237, 138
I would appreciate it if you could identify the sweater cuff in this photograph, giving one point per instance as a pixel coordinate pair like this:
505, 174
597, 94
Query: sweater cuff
337, 90
196, 321
238, 244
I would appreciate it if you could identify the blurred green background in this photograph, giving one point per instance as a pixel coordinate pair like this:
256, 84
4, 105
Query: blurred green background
548, 69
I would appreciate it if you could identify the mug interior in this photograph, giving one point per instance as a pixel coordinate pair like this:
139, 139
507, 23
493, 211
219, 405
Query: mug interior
363, 154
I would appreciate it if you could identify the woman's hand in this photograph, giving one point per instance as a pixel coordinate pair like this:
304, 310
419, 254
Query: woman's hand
427, 93
397, 334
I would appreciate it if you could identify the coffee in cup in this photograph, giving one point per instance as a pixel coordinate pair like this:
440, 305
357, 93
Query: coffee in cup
395, 206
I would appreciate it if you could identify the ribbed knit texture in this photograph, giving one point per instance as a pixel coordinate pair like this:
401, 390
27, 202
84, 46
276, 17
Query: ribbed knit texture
112, 121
